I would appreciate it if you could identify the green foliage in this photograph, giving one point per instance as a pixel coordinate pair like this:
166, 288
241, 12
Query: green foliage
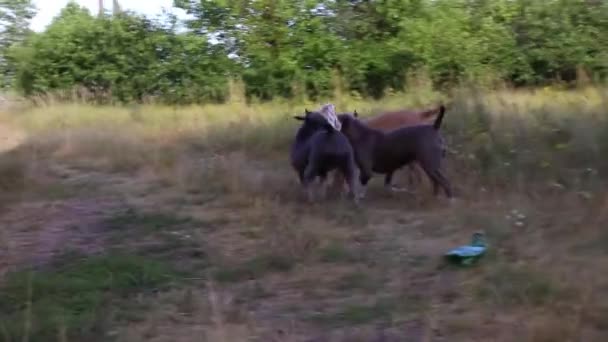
255, 268
355, 314
508, 285
125, 58
149, 222
314, 49
336, 252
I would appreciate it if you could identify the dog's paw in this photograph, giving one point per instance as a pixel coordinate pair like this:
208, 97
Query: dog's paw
361, 194
405, 190
452, 201
310, 195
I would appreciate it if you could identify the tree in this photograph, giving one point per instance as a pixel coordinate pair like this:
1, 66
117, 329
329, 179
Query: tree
15, 16
121, 58
290, 48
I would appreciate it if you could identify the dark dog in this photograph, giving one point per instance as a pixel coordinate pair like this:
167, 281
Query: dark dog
318, 149
385, 153
388, 121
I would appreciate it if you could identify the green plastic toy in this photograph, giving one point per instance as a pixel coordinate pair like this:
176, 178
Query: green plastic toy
468, 254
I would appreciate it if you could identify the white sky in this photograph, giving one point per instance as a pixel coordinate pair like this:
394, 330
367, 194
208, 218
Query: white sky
47, 9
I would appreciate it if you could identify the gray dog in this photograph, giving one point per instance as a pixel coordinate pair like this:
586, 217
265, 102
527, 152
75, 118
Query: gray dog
385, 153
318, 149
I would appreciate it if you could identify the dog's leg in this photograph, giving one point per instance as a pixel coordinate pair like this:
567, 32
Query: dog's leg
323, 185
301, 176
445, 184
338, 182
350, 172
410, 177
438, 179
310, 194
309, 188
432, 177
364, 161
388, 180
308, 180
414, 171
308, 185
364, 179
344, 187
388, 184
351, 175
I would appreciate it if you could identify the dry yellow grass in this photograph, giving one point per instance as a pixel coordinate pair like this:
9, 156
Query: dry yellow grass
208, 189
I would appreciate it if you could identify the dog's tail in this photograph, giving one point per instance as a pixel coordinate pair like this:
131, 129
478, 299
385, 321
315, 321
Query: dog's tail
437, 122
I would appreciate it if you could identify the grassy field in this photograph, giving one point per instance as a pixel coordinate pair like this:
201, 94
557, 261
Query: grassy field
152, 223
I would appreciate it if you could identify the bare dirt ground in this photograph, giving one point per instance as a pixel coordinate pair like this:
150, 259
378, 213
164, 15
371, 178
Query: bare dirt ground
10, 137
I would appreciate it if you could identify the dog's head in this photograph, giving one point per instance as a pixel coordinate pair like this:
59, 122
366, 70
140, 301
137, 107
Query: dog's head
312, 122
327, 112
350, 124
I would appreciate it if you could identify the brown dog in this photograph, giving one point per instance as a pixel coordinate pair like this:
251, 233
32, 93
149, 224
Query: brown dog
390, 120
384, 153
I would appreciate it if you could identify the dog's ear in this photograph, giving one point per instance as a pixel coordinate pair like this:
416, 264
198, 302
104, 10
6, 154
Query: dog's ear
299, 117
306, 111
355, 114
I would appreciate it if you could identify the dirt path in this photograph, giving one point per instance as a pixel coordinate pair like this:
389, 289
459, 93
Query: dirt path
65, 212
10, 137
37, 232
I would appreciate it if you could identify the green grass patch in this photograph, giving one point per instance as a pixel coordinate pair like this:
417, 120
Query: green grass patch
168, 227
169, 237
157, 221
336, 252
509, 285
34, 306
356, 314
357, 280
255, 268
